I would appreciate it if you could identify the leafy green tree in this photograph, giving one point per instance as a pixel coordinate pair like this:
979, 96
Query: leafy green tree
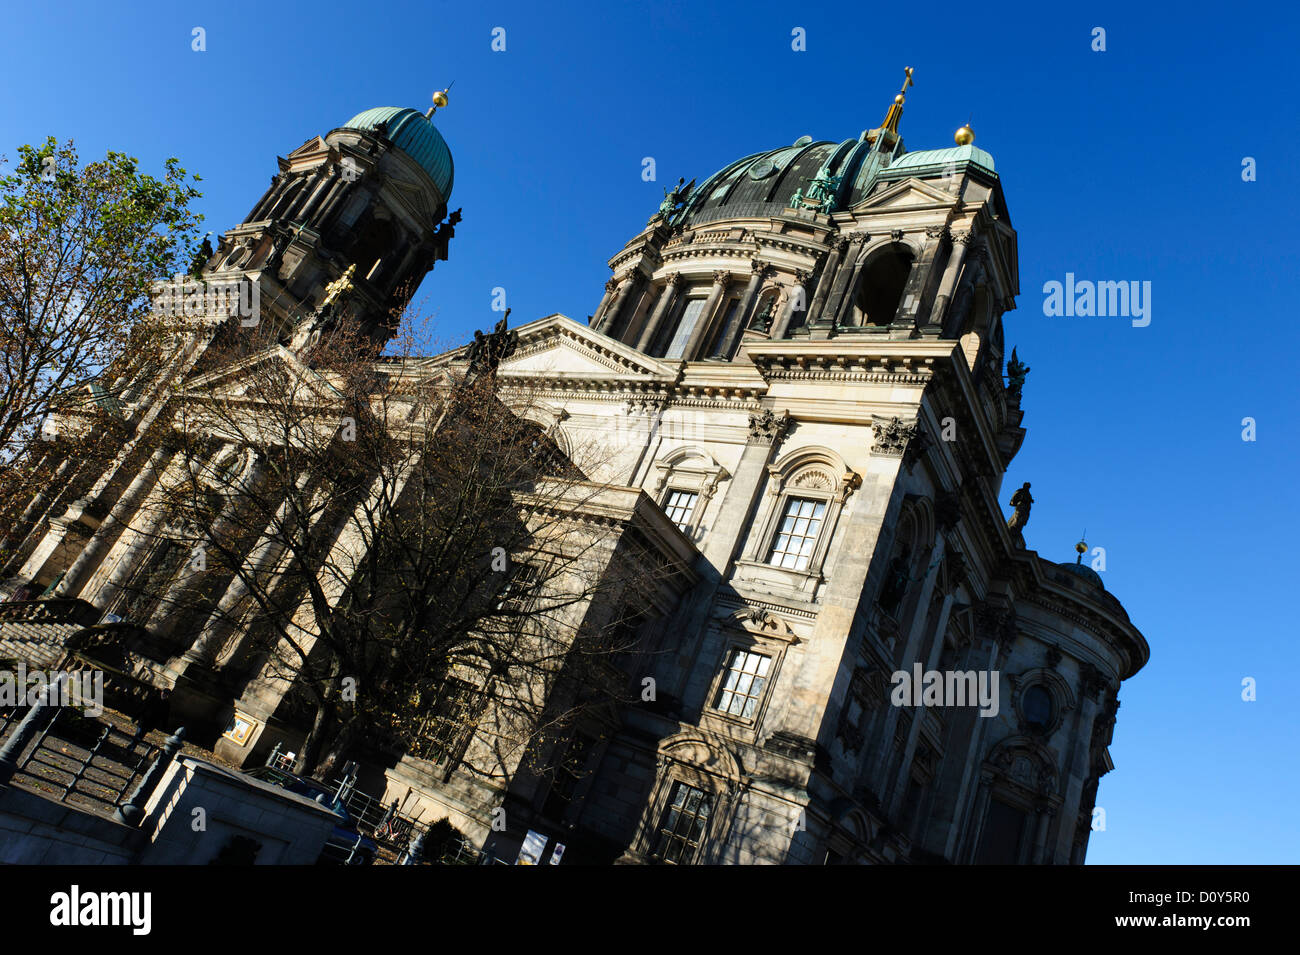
80, 246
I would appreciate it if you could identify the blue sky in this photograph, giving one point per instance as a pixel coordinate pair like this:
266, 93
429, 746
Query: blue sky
1117, 165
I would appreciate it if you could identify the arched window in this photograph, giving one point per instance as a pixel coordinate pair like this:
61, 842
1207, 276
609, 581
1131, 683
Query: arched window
880, 290
806, 492
1038, 708
378, 242
690, 315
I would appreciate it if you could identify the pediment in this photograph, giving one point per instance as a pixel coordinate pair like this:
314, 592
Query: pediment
557, 346
415, 195
908, 194
239, 381
312, 147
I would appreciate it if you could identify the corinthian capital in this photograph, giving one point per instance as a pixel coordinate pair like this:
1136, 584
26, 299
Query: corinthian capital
721, 277
768, 426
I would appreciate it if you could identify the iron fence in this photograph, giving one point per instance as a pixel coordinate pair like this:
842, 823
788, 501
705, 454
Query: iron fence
79, 759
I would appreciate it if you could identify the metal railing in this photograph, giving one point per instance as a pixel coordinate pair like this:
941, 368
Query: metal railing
79, 759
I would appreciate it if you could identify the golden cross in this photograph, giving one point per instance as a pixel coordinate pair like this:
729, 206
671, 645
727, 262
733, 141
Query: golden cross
908, 81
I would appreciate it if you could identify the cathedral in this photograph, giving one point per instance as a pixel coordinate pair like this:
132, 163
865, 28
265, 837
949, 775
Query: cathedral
799, 376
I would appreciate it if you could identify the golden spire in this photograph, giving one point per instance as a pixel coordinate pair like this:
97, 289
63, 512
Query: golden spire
896, 110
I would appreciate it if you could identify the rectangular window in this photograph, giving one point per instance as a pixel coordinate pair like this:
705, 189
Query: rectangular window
680, 507
520, 592
681, 831
685, 326
567, 776
743, 686
1004, 829
797, 535
447, 728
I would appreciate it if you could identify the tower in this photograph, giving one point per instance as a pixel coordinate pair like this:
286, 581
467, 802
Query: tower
371, 194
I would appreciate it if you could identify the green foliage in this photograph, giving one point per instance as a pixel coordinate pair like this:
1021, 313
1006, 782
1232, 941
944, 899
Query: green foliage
80, 246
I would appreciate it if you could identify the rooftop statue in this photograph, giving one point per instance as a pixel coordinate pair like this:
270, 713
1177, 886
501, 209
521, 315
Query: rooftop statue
1017, 370
674, 199
486, 352
1021, 501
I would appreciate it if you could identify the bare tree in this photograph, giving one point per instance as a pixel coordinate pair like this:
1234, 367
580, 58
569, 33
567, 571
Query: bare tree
398, 543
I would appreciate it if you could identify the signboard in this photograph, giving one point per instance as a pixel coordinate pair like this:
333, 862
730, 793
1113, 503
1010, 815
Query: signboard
240, 728
530, 853
556, 853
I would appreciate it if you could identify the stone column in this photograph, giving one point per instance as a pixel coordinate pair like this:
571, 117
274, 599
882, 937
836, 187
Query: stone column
227, 523
721, 280
330, 176
828, 275
346, 548
283, 202
608, 325
268, 198
840, 305
34, 509
792, 296
338, 192
596, 319
727, 340
948, 284
99, 543
307, 193
733, 523
662, 308
265, 553
104, 590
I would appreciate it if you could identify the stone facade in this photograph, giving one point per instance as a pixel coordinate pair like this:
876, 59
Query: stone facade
803, 409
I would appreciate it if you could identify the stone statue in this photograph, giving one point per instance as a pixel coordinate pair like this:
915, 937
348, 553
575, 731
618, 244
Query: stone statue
340, 287
821, 192
675, 198
486, 352
1021, 501
764, 320
1017, 370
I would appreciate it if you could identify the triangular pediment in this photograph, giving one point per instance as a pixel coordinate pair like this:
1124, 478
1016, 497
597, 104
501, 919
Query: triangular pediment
416, 197
311, 147
908, 194
557, 346
238, 381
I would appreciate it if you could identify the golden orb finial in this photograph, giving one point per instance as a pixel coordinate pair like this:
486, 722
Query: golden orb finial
964, 136
439, 101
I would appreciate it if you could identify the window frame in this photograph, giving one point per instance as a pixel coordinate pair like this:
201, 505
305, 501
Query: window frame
689, 468
811, 474
691, 296
719, 684
788, 513
687, 526
660, 835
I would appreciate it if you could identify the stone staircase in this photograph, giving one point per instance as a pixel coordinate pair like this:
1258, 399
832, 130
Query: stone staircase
35, 631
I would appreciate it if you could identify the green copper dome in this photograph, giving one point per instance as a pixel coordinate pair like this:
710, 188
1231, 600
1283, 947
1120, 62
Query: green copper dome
414, 135
942, 157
